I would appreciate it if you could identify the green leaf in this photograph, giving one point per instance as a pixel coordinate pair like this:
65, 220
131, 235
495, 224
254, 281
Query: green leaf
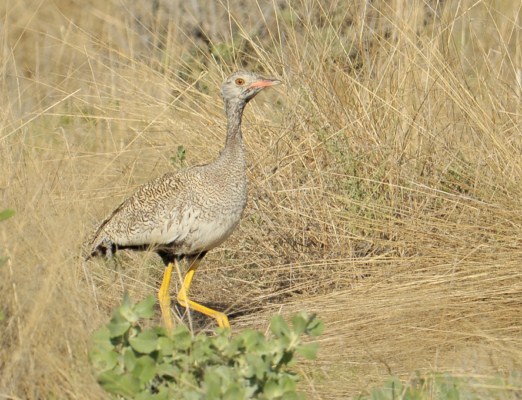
145, 342
167, 369
212, 384
7, 213
179, 157
203, 351
279, 327
272, 390
300, 322
257, 366
192, 395
163, 394
308, 351
117, 327
234, 392
125, 385
293, 396
165, 345
145, 308
315, 327
252, 339
181, 338
181, 153
129, 359
145, 369
126, 310
103, 360
101, 339
222, 339
288, 383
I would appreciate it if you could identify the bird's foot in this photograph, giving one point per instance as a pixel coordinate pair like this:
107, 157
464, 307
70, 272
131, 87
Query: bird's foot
222, 320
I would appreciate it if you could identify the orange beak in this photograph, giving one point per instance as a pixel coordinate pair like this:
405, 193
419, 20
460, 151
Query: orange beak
264, 83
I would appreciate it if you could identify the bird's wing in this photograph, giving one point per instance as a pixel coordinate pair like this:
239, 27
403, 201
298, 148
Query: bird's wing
98, 236
155, 214
107, 219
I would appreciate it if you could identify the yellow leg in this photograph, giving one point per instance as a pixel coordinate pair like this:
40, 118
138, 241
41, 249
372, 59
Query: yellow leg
164, 299
220, 318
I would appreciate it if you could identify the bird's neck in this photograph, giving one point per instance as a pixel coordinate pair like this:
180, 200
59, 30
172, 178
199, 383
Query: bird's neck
234, 142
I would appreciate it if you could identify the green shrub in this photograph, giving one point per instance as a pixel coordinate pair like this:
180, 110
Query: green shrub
442, 386
178, 159
147, 363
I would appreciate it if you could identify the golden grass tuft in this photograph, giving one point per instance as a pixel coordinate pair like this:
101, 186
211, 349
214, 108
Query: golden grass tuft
385, 178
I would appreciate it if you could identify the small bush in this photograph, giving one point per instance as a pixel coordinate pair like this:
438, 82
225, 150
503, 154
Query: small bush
442, 386
147, 363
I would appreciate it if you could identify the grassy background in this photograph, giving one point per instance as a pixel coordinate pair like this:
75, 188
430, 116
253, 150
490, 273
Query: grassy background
385, 178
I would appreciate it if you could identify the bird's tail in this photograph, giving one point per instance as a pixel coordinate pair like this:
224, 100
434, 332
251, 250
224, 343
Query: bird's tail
98, 247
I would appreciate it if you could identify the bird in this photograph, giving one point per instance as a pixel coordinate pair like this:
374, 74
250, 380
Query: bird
182, 215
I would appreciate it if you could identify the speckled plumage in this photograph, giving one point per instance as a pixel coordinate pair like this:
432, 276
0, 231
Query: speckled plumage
189, 212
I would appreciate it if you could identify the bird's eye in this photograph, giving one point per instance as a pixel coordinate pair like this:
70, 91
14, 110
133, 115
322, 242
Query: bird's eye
240, 81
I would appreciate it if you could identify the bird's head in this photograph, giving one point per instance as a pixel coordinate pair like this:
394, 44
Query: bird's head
243, 86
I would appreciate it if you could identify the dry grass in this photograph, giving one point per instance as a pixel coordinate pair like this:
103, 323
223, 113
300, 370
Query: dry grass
385, 178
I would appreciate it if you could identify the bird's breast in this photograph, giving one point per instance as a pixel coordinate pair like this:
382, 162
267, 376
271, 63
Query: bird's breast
203, 232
